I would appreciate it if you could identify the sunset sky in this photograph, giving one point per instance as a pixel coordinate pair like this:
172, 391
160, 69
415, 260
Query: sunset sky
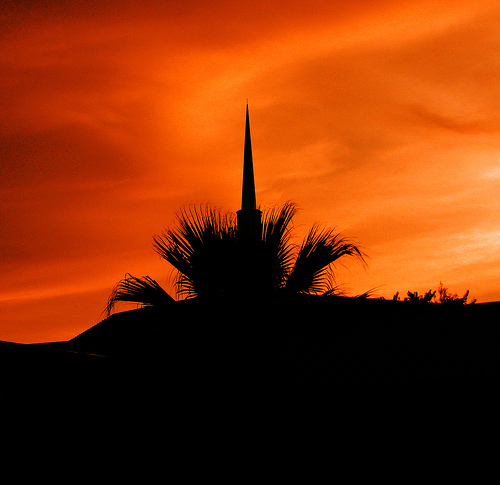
380, 118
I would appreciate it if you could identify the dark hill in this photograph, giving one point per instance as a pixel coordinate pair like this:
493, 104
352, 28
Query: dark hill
318, 343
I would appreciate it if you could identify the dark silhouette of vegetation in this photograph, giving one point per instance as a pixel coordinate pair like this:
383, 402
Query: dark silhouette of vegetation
446, 297
144, 289
214, 260
414, 297
441, 295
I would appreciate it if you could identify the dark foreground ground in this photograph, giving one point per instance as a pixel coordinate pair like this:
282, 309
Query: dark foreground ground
319, 345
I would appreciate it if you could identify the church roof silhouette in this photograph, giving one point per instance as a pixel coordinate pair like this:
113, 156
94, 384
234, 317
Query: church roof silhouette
322, 345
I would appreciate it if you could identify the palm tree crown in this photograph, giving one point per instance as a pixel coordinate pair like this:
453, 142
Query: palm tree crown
215, 260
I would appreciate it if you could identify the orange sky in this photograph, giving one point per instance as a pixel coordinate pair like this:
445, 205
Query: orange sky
380, 118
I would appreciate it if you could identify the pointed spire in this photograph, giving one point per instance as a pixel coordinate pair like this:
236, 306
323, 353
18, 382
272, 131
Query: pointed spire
249, 217
248, 200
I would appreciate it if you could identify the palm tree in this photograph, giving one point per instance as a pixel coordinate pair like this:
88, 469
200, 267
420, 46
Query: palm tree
213, 260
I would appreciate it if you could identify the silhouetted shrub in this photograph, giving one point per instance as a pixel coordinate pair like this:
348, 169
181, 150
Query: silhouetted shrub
444, 296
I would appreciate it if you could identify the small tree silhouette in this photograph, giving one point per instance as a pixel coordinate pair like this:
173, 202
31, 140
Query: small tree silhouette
430, 297
415, 297
446, 297
213, 260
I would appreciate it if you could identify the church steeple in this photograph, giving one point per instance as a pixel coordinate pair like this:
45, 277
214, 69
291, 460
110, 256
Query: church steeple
249, 215
248, 193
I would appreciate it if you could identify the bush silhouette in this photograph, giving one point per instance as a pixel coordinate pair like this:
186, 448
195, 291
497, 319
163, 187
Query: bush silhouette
215, 260
445, 297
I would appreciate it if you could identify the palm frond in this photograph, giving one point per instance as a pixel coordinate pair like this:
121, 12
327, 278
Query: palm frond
144, 290
200, 247
319, 251
333, 289
277, 254
368, 293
